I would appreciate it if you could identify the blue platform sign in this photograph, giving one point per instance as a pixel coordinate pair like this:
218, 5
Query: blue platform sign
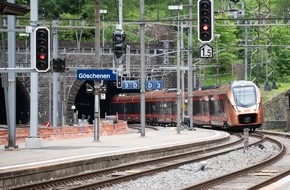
154, 85
149, 85
131, 85
95, 74
158, 85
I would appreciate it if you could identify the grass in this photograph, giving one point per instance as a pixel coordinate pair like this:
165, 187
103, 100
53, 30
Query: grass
268, 95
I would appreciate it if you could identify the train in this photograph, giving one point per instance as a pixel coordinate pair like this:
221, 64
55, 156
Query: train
235, 105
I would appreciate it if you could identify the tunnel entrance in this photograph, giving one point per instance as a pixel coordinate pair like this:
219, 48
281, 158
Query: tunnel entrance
85, 102
22, 104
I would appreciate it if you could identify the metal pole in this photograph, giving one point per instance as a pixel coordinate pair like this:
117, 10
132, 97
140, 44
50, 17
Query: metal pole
246, 52
55, 79
103, 32
33, 76
96, 85
11, 82
178, 77
142, 72
33, 141
190, 93
217, 36
182, 73
121, 13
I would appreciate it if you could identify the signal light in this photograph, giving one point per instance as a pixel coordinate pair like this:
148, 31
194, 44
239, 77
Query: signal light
119, 44
42, 49
42, 57
205, 21
58, 65
119, 82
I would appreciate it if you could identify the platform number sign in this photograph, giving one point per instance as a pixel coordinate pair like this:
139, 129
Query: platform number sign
154, 85
206, 51
130, 85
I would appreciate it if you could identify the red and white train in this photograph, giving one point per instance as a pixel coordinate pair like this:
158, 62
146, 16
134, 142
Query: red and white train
236, 105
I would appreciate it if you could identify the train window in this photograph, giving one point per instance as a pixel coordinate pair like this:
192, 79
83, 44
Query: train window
204, 107
136, 108
129, 108
195, 107
245, 96
120, 108
153, 108
212, 107
167, 108
170, 107
114, 108
148, 108
220, 108
157, 108
174, 108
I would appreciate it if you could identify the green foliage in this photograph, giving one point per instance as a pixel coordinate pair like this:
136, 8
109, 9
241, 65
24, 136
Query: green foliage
231, 37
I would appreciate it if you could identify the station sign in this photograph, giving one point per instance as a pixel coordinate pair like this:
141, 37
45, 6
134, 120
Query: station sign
130, 85
154, 85
96, 74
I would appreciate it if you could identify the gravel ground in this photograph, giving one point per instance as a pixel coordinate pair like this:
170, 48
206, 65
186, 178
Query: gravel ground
191, 174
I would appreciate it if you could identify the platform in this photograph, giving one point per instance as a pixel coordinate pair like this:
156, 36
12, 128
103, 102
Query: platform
59, 153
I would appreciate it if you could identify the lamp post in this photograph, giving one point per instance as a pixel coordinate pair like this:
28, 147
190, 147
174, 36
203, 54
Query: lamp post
178, 119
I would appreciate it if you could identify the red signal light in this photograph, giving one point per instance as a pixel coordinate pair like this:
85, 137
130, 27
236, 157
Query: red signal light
205, 27
42, 56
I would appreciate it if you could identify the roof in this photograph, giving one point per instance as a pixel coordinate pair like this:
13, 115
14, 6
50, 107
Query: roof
12, 9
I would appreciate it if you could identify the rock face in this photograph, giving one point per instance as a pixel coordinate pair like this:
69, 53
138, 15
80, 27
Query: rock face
275, 112
276, 109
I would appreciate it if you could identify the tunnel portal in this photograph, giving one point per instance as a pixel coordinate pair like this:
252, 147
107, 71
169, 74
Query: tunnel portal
85, 105
22, 104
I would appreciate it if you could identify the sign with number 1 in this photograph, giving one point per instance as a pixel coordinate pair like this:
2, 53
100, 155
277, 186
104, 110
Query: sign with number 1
206, 51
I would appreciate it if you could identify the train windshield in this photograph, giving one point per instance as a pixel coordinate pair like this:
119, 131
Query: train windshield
245, 96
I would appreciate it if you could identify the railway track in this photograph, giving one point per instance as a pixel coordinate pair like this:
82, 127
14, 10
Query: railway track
264, 174
246, 178
108, 177
138, 127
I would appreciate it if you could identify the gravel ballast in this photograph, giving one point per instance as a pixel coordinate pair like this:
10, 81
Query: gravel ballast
195, 173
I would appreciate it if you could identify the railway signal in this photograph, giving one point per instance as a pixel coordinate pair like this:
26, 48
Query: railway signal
119, 82
205, 21
42, 49
58, 65
119, 43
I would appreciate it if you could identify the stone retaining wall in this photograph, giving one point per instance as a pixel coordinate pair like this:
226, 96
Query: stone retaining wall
67, 132
274, 125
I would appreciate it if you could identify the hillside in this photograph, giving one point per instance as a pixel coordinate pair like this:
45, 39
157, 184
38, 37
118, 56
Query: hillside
276, 103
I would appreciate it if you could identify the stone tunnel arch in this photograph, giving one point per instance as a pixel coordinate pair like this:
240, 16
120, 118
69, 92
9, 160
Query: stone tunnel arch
84, 102
72, 93
22, 104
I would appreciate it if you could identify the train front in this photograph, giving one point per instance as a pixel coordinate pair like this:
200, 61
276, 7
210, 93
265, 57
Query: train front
247, 108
